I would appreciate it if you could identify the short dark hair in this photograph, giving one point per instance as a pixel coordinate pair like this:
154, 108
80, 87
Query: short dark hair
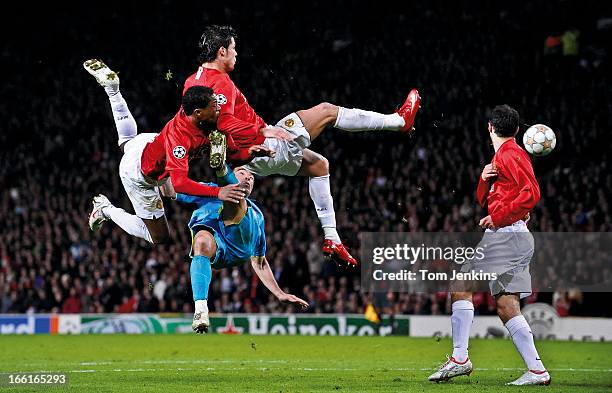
505, 120
197, 97
214, 38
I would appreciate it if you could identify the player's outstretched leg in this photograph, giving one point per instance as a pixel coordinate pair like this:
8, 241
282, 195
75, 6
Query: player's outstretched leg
509, 311
109, 80
204, 249
461, 321
318, 117
103, 210
316, 167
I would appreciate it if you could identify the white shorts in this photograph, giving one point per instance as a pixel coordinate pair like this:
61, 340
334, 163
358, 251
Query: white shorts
289, 154
507, 252
143, 194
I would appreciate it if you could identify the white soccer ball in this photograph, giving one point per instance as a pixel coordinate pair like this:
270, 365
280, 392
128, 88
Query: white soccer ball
539, 140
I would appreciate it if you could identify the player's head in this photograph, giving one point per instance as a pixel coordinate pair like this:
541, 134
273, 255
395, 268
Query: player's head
200, 103
218, 44
245, 178
504, 121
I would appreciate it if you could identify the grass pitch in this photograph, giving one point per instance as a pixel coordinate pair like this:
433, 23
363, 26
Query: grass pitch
187, 363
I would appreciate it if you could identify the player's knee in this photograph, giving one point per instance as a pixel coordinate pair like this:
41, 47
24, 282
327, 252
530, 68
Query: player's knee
457, 295
319, 166
329, 111
204, 244
323, 164
507, 310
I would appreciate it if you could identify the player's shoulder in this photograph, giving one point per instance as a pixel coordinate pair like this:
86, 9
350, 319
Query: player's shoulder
256, 210
511, 151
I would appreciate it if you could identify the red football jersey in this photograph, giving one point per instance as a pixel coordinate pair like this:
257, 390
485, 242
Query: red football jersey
515, 191
237, 118
169, 153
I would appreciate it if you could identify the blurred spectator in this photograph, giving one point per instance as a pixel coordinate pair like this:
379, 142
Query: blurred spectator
59, 144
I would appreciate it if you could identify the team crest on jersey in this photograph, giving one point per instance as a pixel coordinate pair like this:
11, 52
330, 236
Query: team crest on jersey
221, 100
289, 123
179, 152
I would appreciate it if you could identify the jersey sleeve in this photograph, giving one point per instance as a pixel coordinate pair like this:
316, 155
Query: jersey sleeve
229, 178
260, 244
228, 123
482, 191
518, 168
177, 164
192, 199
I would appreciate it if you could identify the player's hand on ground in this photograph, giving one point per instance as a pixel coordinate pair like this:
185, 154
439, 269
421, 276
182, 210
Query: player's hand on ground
288, 298
488, 172
232, 193
278, 133
486, 223
261, 151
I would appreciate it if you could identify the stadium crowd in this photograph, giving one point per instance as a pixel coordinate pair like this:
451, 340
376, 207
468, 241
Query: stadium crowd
59, 145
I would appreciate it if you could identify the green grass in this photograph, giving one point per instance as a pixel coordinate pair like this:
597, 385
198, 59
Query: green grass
188, 363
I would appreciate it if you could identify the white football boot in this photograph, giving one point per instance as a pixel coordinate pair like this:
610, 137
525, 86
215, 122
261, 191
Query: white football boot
106, 77
201, 322
451, 369
96, 218
532, 378
218, 148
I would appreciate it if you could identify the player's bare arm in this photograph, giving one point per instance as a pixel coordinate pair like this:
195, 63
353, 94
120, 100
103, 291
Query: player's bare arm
262, 269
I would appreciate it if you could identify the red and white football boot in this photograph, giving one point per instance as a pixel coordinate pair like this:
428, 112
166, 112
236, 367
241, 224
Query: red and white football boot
339, 254
409, 110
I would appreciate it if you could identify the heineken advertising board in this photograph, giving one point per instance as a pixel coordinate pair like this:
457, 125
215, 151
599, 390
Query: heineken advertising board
259, 324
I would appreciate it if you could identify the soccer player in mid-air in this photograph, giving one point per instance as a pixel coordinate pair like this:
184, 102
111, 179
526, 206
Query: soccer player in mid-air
150, 159
238, 119
509, 190
226, 234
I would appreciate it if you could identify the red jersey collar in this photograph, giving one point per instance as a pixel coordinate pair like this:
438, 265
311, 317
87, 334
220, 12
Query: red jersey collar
185, 123
506, 143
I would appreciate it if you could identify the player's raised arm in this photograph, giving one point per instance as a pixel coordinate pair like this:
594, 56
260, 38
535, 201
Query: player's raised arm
265, 274
262, 269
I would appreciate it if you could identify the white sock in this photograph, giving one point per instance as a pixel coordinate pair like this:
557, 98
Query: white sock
523, 340
124, 121
320, 193
201, 306
461, 322
130, 223
360, 120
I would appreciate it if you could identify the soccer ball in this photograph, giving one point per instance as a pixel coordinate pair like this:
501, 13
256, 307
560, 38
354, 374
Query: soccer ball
539, 140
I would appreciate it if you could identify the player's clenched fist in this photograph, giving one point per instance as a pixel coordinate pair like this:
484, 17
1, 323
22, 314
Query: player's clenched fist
232, 193
489, 172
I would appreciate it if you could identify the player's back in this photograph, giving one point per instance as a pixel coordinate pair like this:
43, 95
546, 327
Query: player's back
179, 137
242, 238
236, 116
515, 190
240, 241
507, 159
